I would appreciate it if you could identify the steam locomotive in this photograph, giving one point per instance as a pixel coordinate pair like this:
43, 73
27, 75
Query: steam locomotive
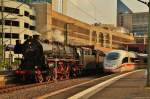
45, 61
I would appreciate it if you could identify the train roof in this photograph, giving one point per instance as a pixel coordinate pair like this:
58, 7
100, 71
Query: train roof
119, 51
142, 55
133, 54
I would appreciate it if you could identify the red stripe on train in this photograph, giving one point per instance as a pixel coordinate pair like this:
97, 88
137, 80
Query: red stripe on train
128, 64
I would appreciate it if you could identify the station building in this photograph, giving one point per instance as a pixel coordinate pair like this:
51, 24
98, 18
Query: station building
54, 26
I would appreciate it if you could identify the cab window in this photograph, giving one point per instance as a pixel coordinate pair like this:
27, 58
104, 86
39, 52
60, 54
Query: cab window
125, 60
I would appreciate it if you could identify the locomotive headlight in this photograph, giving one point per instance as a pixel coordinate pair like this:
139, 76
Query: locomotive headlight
30, 43
51, 64
35, 67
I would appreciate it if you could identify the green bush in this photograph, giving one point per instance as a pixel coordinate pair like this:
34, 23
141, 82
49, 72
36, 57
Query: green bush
3, 64
1, 49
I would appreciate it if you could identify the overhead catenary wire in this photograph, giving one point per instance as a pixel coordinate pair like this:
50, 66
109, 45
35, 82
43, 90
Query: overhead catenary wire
95, 8
83, 11
91, 3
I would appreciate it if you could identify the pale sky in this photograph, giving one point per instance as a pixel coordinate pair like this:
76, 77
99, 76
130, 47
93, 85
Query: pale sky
136, 6
103, 11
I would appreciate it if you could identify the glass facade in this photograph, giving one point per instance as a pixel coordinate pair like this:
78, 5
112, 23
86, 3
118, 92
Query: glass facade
122, 8
137, 23
140, 18
140, 23
139, 29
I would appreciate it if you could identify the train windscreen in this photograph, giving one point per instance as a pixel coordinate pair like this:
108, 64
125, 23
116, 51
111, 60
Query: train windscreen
113, 56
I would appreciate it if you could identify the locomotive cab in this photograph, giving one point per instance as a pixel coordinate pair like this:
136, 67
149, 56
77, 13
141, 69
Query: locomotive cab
18, 47
32, 64
91, 59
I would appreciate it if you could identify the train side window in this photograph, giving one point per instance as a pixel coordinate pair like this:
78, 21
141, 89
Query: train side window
94, 52
86, 52
134, 60
145, 60
125, 60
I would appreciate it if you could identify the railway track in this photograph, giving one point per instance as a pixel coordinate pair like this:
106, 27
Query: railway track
14, 87
11, 88
69, 91
39, 89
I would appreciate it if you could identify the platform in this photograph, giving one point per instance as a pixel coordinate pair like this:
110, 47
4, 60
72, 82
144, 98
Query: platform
6, 77
129, 87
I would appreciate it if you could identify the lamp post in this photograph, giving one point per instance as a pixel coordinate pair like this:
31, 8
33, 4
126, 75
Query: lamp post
2, 30
148, 67
10, 54
66, 26
66, 34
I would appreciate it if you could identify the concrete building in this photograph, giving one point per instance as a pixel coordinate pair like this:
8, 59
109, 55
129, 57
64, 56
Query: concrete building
19, 21
87, 10
96, 11
57, 26
135, 22
54, 26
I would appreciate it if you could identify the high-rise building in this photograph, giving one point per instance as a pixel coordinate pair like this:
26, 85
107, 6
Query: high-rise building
19, 21
137, 23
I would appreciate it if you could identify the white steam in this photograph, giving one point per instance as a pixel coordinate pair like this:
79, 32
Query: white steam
57, 35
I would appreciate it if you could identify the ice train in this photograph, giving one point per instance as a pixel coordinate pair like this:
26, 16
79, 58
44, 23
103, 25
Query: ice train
119, 61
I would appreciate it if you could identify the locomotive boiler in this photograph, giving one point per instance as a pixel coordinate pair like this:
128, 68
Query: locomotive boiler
45, 61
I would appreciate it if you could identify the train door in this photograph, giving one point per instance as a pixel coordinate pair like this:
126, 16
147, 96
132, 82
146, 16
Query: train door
72, 52
99, 56
61, 51
124, 63
142, 60
129, 62
89, 59
68, 52
134, 62
55, 50
80, 55
99, 59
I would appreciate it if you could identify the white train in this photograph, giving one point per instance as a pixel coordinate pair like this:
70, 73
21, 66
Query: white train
119, 61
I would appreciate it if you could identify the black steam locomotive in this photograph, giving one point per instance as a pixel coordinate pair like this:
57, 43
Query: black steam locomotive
45, 61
